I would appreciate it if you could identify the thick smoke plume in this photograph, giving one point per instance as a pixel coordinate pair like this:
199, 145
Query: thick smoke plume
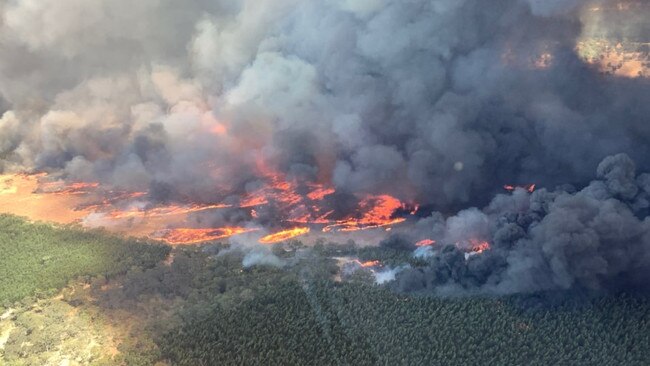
597, 238
439, 102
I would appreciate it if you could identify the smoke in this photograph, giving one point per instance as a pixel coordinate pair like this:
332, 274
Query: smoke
423, 252
261, 256
439, 102
553, 7
387, 275
597, 238
436, 102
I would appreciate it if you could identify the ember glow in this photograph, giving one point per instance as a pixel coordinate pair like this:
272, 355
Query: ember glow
609, 41
618, 59
528, 187
371, 212
276, 188
478, 246
473, 247
540, 59
383, 123
284, 235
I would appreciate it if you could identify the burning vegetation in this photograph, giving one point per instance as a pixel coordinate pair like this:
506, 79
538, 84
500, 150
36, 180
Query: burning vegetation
479, 246
625, 59
284, 235
368, 264
528, 187
194, 236
130, 306
274, 140
425, 243
141, 151
118, 209
268, 132
614, 38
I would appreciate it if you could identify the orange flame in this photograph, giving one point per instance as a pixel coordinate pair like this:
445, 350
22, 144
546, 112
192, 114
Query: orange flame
107, 202
425, 243
297, 201
319, 193
415, 209
307, 218
479, 246
253, 200
24, 195
164, 211
278, 189
372, 211
376, 211
284, 235
194, 236
61, 188
368, 264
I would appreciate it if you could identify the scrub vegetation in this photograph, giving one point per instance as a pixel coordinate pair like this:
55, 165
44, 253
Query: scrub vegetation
136, 305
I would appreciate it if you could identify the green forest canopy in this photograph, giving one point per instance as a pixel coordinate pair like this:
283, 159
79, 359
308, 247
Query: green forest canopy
217, 312
40, 258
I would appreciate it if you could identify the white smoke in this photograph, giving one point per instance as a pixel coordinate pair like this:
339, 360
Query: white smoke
262, 257
423, 252
387, 275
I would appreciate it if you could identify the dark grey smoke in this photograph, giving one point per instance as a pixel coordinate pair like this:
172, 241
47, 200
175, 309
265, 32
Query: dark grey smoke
597, 238
437, 101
